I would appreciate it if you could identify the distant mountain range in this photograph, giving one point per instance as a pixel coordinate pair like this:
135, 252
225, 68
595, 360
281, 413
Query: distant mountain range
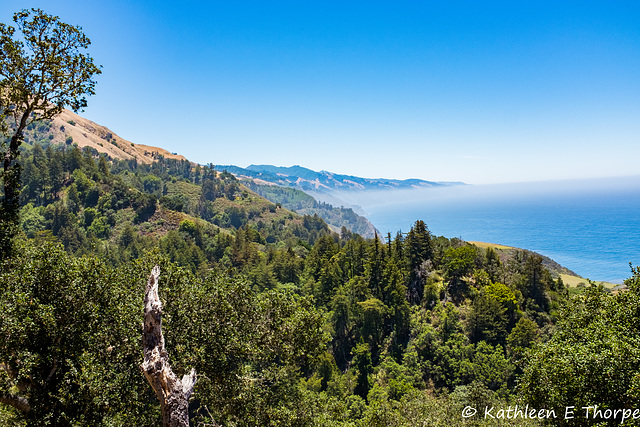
324, 181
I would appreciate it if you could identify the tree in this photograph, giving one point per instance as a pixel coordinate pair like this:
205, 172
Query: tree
487, 320
42, 71
593, 358
172, 393
458, 262
418, 244
69, 340
522, 336
374, 316
535, 283
70, 343
418, 249
364, 368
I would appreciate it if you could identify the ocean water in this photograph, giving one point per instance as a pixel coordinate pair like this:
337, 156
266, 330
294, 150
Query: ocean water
591, 227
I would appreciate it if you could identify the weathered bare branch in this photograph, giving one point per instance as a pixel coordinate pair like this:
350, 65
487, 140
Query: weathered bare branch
172, 393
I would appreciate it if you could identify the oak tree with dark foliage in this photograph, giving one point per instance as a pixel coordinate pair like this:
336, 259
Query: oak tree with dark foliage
43, 69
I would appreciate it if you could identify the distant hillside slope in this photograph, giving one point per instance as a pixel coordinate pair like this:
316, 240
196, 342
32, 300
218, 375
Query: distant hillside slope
321, 187
307, 179
508, 253
304, 204
71, 128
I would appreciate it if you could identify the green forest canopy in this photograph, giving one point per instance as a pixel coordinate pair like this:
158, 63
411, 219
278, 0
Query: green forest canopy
287, 322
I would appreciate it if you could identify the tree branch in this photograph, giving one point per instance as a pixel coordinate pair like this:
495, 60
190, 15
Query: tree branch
18, 402
172, 393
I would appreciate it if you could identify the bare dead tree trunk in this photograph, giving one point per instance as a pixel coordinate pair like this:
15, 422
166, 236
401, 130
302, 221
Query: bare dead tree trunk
172, 393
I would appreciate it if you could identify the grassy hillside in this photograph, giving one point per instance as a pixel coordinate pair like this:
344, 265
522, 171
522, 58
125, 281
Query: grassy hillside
69, 128
569, 278
508, 252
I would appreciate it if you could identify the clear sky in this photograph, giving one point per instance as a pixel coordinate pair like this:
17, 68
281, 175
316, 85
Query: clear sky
481, 92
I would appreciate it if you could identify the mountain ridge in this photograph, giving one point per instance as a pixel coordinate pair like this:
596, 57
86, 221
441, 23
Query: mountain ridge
325, 181
71, 128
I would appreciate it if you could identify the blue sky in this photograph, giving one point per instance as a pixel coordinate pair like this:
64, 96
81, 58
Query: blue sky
481, 92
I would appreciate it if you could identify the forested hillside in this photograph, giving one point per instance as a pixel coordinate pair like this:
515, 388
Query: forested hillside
117, 208
285, 321
304, 204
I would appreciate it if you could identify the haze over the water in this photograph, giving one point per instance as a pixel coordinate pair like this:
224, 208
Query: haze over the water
590, 226
451, 196
480, 92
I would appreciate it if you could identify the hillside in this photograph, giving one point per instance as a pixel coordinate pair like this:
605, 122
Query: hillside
121, 208
70, 128
285, 321
508, 252
279, 185
304, 204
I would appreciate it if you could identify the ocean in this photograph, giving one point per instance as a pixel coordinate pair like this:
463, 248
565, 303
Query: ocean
591, 227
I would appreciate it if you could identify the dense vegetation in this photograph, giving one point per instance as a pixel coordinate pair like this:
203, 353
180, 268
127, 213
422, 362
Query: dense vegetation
200, 218
286, 322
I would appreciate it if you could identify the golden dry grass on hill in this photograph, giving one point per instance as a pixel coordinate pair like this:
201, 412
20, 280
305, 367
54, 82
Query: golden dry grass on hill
86, 133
